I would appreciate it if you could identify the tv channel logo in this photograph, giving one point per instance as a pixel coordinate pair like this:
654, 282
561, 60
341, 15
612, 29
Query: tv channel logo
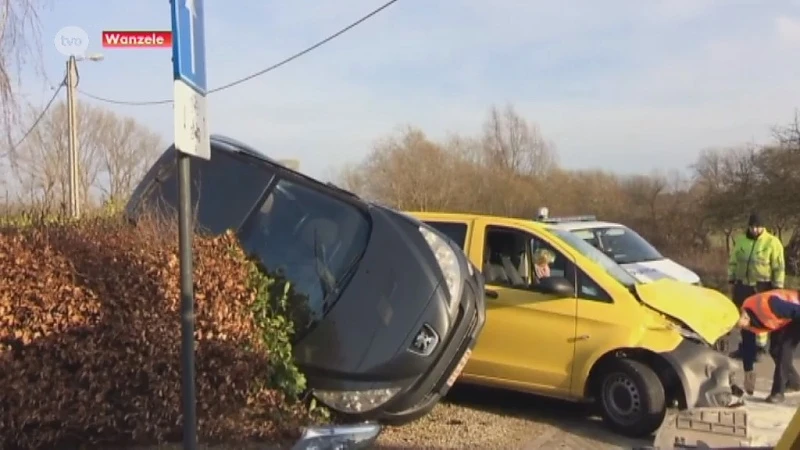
72, 41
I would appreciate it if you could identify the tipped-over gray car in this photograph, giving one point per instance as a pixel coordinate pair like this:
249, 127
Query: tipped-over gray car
392, 308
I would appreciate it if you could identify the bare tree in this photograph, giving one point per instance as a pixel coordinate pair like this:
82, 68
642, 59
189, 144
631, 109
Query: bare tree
643, 194
406, 170
113, 152
709, 169
41, 163
508, 169
788, 136
129, 149
510, 142
728, 180
20, 45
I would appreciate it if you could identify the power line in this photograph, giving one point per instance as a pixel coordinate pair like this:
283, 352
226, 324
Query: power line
260, 72
123, 102
41, 115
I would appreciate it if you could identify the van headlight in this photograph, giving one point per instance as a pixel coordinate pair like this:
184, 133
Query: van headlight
351, 402
448, 262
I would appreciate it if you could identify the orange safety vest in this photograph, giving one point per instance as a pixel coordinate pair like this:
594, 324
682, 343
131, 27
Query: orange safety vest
758, 304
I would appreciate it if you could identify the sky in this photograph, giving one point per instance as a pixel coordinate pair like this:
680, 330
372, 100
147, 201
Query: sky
630, 86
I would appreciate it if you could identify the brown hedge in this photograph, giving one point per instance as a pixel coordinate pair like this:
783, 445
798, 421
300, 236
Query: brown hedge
90, 340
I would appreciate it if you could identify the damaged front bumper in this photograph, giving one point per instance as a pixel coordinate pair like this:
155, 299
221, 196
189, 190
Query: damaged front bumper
705, 374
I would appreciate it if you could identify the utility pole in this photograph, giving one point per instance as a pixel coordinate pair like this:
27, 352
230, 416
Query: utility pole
72, 122
72, 119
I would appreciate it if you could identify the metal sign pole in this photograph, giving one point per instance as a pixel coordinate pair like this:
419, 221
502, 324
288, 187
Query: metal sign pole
187, 304
191, 139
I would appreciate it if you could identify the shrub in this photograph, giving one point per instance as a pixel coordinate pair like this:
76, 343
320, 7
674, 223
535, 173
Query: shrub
711, 266
90, 339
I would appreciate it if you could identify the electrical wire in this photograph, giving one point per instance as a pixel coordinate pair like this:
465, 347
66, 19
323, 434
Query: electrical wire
41, 115
123, 102
260, 72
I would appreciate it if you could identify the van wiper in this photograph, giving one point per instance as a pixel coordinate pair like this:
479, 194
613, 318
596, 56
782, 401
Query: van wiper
651, 259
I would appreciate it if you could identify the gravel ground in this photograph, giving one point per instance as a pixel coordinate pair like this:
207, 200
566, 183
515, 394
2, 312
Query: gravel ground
480, 418
454, 426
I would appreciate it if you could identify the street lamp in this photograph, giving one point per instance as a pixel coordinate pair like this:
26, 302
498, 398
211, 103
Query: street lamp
90, 57
72, 86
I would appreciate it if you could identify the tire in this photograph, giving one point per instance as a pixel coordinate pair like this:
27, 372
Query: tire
631, 398
409, 417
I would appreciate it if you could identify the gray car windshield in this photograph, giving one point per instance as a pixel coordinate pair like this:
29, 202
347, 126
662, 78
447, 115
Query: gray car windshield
597, 256
312, 239
310, 236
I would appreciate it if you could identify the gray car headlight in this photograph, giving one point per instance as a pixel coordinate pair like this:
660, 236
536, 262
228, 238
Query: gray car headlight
351, 402
448, 262
339, 437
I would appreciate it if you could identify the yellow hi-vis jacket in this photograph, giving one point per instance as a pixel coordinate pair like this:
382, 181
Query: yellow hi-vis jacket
757, 260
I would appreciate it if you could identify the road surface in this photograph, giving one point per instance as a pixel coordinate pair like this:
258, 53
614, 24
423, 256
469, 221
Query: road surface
487, 418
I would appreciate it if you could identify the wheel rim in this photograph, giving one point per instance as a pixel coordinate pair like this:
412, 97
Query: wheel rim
621, 399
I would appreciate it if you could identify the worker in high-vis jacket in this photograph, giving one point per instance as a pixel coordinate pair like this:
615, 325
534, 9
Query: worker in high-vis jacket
776, 312
756, 264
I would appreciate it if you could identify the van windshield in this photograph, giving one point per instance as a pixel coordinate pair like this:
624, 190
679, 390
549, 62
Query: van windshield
306, 234
626, 245
597, 256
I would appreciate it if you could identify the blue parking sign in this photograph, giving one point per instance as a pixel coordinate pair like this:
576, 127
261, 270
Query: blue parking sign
188, 43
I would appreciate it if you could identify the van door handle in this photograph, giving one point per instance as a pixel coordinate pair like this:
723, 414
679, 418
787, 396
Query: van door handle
490, 293
582, 337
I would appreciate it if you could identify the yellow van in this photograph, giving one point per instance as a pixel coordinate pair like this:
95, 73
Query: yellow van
564, 320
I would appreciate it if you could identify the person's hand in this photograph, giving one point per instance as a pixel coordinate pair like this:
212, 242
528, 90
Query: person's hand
744, 320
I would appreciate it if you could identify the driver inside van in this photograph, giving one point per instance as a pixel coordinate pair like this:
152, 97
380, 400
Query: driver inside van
542, 258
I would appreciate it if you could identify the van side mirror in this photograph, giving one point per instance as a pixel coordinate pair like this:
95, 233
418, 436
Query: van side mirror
559, 286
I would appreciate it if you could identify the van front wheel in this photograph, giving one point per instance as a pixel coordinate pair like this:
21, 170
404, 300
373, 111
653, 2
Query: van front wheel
631, 398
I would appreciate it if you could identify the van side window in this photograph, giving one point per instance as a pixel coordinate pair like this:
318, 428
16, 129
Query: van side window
456, 231
564, 267
506, 261
589, 290
549, 261
510, 259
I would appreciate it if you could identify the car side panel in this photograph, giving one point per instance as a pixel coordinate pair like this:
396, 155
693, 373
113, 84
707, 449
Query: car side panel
528, 338
605, 327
